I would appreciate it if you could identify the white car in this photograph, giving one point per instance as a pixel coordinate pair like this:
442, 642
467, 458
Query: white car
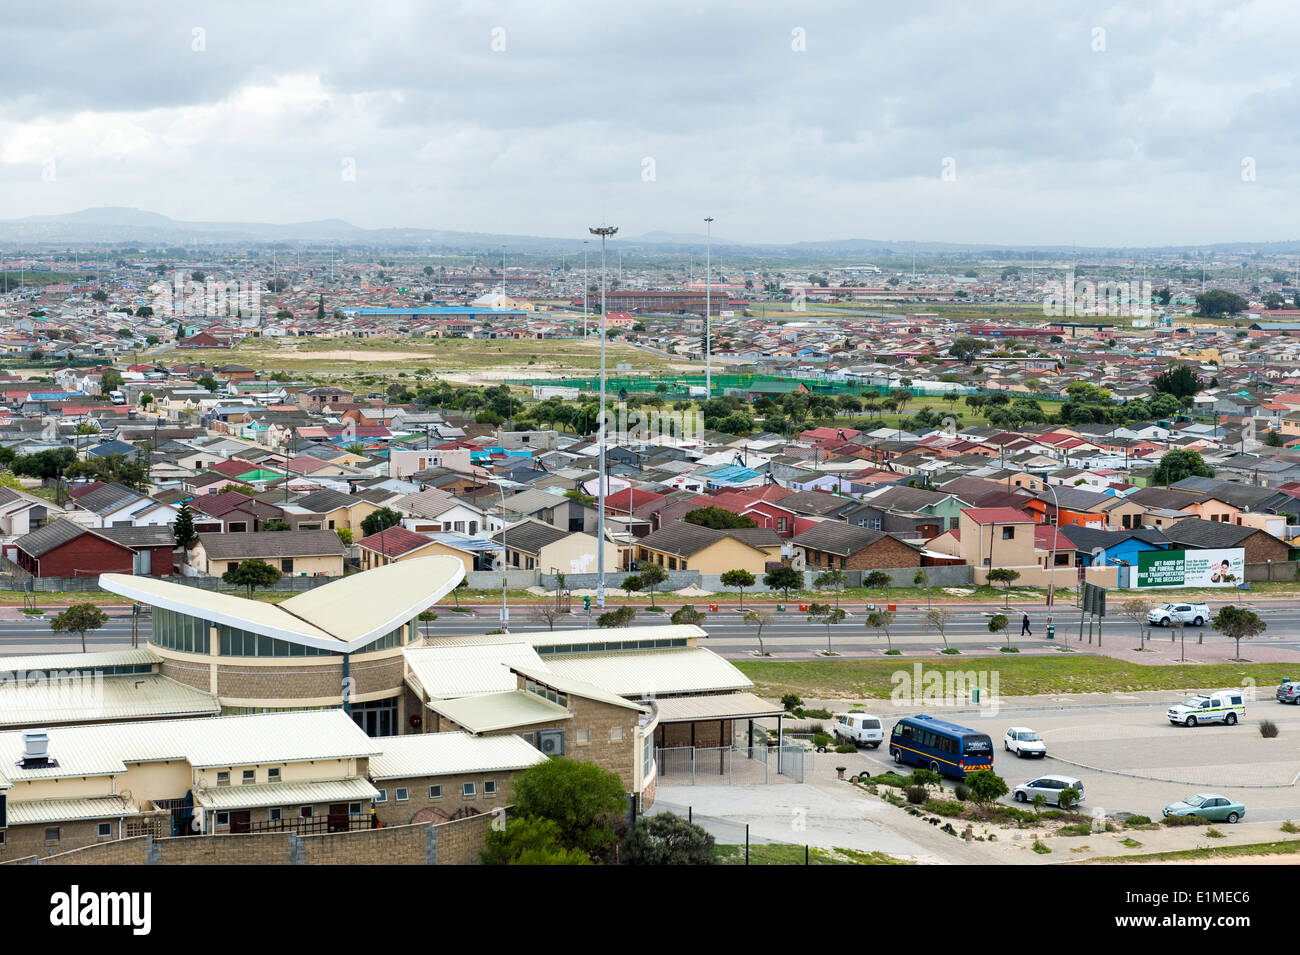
1050, 786
861, 729
1024, 742
1195, 614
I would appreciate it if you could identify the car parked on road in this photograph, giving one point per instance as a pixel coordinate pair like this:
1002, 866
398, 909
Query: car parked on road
1023, 741
1169, 614
1289, 692
861, 729
1209, 806
1221, 706
1050, 787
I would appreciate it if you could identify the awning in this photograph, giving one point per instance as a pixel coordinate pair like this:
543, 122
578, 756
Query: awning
725, 706
69, 810
350, 789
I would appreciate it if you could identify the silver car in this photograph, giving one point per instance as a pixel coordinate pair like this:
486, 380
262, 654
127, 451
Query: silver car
1050, 787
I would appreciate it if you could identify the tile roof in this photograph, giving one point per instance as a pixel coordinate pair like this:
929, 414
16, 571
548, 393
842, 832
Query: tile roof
261, 544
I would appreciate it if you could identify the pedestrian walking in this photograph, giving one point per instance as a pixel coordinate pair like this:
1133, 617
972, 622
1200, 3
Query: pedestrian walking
1024, 626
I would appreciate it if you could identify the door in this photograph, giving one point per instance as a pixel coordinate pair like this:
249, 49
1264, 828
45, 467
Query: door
338, 817
240, 821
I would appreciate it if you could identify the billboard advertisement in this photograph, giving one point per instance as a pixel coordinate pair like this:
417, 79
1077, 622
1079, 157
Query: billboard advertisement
1218, 567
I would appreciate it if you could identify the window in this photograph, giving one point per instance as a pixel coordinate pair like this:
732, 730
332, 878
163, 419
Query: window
584, 736
403, 794
250, 777
104, 829
275, 814
354, 809
435, 792
615, 734
467, 789
2, 837
305, 812
52, 834
286, 565
382, 796
237, 527
223, 779
489, 787
1008, 533
223, 819
273, 774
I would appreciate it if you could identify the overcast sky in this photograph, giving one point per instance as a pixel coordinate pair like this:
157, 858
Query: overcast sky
1017, 123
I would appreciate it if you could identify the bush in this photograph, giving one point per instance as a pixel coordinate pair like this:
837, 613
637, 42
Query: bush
923, 777
846, 748
1214, 833
986, 786
585, 801
891, 779
818, 714
817, 729
893, 653
961, 792
944, 807
791, 702
821, 739
1290, 826
1138, 820
667, 839
1040, 848
917, 795
1067, 797
1008, 649
1267, 729
1192, 820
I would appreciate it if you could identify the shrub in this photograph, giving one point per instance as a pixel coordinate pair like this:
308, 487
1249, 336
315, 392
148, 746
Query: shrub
923, 777
891, 779
1068, 797
1192, 820
1138, 820
961, 792
1008, 649
986, 786
1267, 729
1041, 849
893, 653
944, 807
917, 795
818, 714
791, 702
667, 839
821, 739
817, 729
1290, 826
1214, 833
846, 748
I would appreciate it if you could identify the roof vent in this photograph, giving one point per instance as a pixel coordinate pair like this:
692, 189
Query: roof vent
36, 749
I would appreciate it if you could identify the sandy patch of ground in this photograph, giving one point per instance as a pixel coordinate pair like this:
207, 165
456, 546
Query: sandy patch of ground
693, 592
371, 357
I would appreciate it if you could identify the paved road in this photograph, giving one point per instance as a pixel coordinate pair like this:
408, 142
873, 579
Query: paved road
789, 632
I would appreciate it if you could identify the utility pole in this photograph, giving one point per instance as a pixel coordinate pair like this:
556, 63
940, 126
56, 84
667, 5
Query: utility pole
604, 231
708, 308
585, 285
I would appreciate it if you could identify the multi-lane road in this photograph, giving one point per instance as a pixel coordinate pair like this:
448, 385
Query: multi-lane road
787, 633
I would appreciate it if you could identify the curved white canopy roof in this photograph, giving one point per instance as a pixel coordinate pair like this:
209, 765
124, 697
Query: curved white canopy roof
343, 615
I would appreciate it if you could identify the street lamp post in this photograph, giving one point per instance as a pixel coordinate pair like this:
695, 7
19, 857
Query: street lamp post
505, 566
1051, 573
604, 231
585, 287
708, 307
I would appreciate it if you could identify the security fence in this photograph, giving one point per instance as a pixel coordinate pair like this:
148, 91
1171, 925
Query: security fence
729, 765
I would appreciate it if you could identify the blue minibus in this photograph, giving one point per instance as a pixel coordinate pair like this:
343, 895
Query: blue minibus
940, 746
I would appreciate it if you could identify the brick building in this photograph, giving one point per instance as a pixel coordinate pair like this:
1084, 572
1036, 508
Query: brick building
834, 545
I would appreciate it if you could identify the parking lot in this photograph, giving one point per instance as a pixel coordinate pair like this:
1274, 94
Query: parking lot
1129, 757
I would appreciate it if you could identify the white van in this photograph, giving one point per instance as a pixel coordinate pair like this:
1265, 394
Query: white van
861, 729
1221, 706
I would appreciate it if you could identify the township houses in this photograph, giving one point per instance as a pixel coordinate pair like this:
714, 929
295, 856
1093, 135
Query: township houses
66, 549
685, 546
309, 553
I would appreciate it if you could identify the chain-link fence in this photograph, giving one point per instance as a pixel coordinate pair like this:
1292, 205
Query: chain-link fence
729, 765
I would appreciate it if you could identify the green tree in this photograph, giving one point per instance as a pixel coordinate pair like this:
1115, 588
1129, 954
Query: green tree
584, 800
940, 618
881, 621
1178, 380
380, 520
183, 526
345, 536
985, 786
831, 580
719, 518
877, 578
783, 578
529, 840
208, 383
251, 574
740, 579
80, 618
998, 624
758, 620
687, 614
275, 524
828, 617
652, 575
667, 839
1005, 576
1218, 302
621, 617
1238, 623
966, 349
1179, 464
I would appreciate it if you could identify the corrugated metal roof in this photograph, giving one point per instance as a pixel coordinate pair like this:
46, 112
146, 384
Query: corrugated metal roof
447, 754
646, 673
215, 742
547, 638
572, 687
721, 706
97, 659
68, 810
81, 698
351, 788
447, 672
498, 711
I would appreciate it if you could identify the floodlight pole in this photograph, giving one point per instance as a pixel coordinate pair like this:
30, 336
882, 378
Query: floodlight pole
708, 308
604, 231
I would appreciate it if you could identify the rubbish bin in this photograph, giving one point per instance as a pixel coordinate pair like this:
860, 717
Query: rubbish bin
1051, 633
975, 695
780, 608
